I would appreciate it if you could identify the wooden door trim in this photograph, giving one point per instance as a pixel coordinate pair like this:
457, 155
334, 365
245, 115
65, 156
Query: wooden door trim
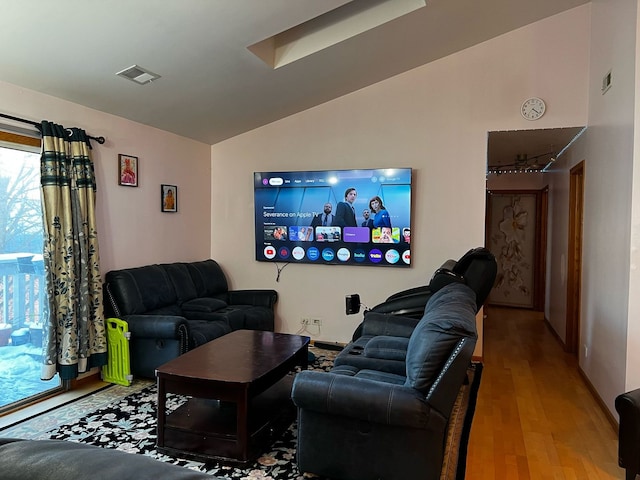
540, 277
574, 257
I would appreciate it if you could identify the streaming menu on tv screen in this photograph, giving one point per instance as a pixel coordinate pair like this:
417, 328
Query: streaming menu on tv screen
352, 217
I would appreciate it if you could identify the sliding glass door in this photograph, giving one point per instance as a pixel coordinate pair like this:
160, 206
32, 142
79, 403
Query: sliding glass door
23, 296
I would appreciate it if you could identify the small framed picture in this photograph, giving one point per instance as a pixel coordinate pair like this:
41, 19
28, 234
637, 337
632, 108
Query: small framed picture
127, 170
169, 198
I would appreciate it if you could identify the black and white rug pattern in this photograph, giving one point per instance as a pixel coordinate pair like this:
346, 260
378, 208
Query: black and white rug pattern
129, 424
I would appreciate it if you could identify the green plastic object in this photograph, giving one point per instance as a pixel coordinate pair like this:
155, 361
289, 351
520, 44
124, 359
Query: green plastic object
118, 368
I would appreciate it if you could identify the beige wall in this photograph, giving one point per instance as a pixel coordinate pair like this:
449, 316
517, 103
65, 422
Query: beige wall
132, 230
609, 334
434, 119
632, 377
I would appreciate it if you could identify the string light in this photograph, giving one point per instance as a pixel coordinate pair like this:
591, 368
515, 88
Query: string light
498, 171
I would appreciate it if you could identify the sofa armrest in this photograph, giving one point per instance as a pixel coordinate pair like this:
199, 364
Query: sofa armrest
156, 326
376, 323
628, 407
353, 397
259, 297
386, 347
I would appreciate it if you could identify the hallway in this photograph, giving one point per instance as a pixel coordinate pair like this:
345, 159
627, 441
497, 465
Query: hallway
535, 417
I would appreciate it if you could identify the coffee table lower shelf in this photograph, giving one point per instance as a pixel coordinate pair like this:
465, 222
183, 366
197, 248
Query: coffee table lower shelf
205, 430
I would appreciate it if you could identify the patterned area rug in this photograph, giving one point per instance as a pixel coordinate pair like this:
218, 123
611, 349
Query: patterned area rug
129, 424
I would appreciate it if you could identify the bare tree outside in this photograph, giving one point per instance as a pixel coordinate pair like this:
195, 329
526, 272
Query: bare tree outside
20, 208
23, 301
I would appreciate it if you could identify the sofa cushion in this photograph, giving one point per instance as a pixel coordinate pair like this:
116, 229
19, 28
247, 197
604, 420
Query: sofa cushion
59, 459
208, 278
378, 376
181, 280
450, 315
166, 311
256, 318
140, 290
203, 331
204, 305
387, 347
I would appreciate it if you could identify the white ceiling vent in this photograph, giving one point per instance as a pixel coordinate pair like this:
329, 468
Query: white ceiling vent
138, 74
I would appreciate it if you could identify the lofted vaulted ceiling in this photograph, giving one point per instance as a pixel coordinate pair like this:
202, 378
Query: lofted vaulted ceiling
212, 86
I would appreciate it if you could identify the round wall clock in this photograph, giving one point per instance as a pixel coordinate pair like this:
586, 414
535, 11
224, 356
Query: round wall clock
533, 108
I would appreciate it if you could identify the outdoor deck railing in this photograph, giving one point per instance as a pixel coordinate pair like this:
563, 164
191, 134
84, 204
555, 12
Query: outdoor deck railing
23, 300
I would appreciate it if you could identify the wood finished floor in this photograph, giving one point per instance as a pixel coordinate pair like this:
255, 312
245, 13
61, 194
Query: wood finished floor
535, 417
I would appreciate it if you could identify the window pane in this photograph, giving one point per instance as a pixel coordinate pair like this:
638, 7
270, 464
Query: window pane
23, 301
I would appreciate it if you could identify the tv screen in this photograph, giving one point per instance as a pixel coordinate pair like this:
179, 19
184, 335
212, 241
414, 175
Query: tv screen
337, 217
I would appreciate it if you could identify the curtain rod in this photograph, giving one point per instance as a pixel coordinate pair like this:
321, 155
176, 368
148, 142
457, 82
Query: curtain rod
100, 140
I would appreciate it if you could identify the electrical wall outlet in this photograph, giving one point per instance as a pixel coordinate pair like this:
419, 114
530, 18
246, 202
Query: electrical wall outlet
317, 322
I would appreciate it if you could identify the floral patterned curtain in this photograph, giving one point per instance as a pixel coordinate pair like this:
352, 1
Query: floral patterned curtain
74, 334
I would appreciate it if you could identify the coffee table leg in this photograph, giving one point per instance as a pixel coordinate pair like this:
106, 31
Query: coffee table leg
162, 397
242, 425
303, 358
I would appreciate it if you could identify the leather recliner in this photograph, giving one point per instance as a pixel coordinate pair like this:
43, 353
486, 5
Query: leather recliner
174, 307
628, 408
477, 268
61, 460
380, 343
360, 424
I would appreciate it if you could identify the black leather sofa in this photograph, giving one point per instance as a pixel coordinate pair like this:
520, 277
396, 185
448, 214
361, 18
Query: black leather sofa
363, 424
380, 342
172, 308
62, 460
628, 408
476, 268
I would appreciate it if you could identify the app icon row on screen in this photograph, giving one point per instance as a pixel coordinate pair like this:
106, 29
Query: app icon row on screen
337, 234
344, 254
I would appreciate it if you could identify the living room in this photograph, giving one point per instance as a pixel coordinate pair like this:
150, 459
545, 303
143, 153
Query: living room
434, 119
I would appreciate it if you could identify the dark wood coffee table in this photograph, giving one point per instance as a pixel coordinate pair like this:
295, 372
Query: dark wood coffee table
240, 395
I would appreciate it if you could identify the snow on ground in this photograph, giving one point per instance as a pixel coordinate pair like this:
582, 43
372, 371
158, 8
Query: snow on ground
20, 373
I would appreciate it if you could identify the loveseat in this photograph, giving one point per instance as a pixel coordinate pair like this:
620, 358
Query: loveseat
63, 460
364, 424
174, 307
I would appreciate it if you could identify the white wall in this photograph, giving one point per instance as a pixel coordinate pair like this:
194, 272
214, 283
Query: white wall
607, 148
632, 379
132, 230
558, 245
608, 193
434, 119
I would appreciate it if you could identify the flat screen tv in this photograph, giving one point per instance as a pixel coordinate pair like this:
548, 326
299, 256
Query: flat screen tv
368, 221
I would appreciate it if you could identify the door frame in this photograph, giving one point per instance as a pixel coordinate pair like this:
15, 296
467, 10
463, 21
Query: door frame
574, 258
540, 249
